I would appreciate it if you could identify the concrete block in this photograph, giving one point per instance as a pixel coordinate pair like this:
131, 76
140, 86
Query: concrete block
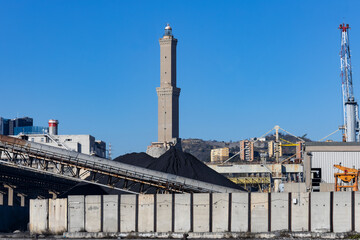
357, 211
76, 213
300, 211
93, 213
58, 215
320, 211
39, 210
127, 213
110, 213
146, 213
201, 212
220, 212
279, 211
259, 212
327, 187
182, 212
294, 187
342, 212
164, 212
239, 212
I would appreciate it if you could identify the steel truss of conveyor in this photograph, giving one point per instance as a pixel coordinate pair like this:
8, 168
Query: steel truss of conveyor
80, 167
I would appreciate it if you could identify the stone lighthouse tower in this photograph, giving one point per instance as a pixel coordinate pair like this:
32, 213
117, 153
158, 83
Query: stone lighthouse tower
168, 98
168, 93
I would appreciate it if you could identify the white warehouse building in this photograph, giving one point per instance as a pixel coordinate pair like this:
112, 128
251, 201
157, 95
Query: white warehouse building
319, 160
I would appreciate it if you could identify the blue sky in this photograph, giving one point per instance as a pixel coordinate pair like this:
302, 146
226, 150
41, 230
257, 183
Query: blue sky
243, 66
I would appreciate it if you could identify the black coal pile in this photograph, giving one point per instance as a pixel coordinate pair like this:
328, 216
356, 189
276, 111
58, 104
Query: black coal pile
174, 161
179, 163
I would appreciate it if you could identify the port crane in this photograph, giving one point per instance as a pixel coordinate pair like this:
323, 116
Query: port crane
349, 175
350, 106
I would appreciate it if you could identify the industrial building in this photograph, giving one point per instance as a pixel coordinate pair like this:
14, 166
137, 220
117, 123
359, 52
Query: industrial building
86, 144
320, 158
12, 126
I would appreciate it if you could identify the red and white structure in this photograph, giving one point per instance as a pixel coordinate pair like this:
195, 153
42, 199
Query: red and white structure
53, 127
350, 106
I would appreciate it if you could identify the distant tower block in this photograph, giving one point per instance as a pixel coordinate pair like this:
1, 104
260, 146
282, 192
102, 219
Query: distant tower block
53, 127
168, 93
219, 154
246, 150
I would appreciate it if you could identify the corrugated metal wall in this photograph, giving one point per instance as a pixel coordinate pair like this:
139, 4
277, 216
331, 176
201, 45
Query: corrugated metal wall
326, 161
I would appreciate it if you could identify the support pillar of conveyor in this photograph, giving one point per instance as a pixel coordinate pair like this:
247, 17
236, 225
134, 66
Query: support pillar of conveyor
10, 194
54, 194
22, 199
2, 198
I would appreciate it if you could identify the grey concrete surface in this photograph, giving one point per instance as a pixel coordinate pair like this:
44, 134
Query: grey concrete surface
110, 213
201, 212
279, 211
101, 213
357, 211
93, 213
342, 212
294, 187
300, 212
259, 212
58, 215
146, 213
76, 213
220, 212
164, 213
239, 212
320, 211
127, 213
39, 211
182, 213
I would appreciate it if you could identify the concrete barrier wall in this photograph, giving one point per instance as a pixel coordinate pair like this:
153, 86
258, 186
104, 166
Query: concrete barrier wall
259, 212
76, 213
111, 213
320, 211
218, 212
39, 210
164, 212
182, 222
300, 211
128, 213
342, 211
240, 212
201, 212
93, 213
58, 215
279, 211
146, 213
357, 211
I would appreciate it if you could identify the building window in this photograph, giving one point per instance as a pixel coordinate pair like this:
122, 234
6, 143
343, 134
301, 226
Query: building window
42, 139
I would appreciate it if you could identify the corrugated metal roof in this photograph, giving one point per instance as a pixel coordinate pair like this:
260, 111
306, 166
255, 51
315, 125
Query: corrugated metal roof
332, 143
326, 161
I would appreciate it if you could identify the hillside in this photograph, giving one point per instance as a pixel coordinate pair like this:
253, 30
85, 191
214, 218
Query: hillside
201, 148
